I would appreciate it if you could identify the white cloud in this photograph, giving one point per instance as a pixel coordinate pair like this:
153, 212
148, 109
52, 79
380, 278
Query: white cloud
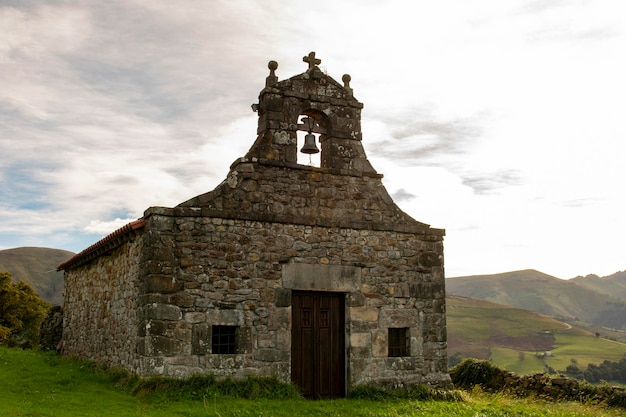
104, 228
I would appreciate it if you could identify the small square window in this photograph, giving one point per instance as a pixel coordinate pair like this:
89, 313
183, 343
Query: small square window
224, 339
399, 342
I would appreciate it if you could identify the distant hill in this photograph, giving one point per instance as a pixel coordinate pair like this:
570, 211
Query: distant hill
37, 267
523, 341
476, 326
613, 285
536, 291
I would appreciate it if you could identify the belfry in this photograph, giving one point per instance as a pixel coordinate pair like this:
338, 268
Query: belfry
311, 274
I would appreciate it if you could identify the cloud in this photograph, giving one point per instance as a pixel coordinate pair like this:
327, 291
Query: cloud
104, 228
403, 195
580, 202
568, 21
426, 140
485, 183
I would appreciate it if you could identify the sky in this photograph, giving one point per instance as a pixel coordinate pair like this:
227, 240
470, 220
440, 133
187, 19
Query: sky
500, 121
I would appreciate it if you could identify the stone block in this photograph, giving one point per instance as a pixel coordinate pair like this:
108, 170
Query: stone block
225, 317
158, 222
155, 327
163, 284
182, 299
200, 339
187, 360
283, 297
163, 312
266, 340
380, 342
316, 277
430, 259
359, 340
356, 299
398, 317
283, 340
161, 345
195, 317
363, 314
271, 355
244, 341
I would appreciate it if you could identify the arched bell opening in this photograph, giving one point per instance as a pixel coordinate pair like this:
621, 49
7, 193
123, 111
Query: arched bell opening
310, 133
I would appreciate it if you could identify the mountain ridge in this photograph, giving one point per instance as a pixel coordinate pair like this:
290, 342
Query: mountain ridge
536, 291
37, 267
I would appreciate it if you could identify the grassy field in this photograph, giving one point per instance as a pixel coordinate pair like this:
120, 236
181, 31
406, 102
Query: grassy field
43, 384
512, 338
568, 347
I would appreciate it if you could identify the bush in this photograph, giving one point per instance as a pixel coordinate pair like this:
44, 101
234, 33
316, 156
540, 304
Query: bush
474, 372
21, 313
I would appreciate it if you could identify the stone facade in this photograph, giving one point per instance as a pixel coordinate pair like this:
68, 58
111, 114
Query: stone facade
101, 307
151, 296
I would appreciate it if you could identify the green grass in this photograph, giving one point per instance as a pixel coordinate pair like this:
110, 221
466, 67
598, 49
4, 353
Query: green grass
477, 328
584, 350
42, 384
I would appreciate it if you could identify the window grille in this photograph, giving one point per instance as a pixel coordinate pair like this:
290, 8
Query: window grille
224, 339
399, 342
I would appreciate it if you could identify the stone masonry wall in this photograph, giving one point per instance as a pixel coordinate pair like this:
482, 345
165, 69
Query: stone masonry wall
234, 258
231, 253
228, 251
100, 312
230, 272
297, 194
51, 330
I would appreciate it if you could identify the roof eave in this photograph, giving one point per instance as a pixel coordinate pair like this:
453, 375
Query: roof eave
103, 246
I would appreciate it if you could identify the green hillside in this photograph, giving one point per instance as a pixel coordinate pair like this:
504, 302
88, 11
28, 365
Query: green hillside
536, 291
520, 340
37, 267
613, 285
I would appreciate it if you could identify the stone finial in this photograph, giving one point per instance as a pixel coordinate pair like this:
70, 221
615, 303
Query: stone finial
311, 60
272, 78
346, 83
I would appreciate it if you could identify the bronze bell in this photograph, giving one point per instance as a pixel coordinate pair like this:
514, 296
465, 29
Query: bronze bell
309, 144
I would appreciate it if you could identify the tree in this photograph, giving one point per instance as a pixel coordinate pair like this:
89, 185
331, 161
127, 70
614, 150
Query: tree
21, 313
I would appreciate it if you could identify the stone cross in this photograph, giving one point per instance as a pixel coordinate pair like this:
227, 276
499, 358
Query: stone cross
311, 60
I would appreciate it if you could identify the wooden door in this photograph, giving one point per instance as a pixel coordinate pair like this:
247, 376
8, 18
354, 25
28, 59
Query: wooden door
318, 343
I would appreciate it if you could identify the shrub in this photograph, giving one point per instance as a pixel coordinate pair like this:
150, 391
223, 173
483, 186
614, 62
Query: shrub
21, 313
474, 372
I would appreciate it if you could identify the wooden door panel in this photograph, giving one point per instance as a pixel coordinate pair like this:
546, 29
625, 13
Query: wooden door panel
318, 344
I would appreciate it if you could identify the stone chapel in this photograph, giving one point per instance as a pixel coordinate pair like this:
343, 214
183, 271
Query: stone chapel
311, 274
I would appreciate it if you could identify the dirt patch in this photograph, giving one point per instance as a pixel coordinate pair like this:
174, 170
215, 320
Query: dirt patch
538, 342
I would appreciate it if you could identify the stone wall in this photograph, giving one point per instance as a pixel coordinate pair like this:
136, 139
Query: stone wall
234, 252
233, 258
100, 312
51, 331
283, 192
239, 272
